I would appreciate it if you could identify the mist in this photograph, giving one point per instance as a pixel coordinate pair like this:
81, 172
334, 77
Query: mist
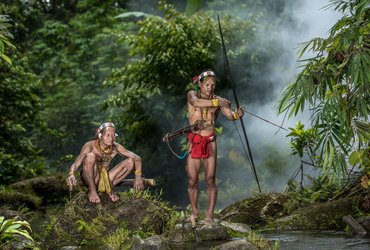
311, 21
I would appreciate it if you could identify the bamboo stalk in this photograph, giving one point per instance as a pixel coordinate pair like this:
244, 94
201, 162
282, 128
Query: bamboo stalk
130, 182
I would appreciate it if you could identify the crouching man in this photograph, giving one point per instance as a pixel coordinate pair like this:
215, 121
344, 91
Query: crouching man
95, 157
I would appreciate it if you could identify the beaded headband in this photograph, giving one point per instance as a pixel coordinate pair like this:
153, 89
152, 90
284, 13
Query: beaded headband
105, 125
202, 75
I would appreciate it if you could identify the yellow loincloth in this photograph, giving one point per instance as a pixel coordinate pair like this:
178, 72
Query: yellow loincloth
104, 185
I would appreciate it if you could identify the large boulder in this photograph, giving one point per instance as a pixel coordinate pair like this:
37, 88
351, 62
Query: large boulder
18, 242
203, 232
50, 189
320, 216
10, 214
268, 210
216, 235
256, 210
107, 223
15, 200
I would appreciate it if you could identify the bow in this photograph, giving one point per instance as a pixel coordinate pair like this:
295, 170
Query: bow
174, 134
198, 125
230, 79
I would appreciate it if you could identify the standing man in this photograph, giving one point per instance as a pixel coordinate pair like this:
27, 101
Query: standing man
203, 108
95, 157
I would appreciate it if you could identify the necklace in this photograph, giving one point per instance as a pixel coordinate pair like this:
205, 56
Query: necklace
204, 111
104, 152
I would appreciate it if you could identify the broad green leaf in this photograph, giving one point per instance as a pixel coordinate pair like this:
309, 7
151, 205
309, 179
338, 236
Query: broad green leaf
356, 157
12, 227
25, 234
6, 58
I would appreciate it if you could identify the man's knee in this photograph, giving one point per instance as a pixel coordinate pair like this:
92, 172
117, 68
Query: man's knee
192, 183
211, 182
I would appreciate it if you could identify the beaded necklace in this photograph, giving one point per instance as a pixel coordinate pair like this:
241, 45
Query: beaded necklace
104, 152
204, 111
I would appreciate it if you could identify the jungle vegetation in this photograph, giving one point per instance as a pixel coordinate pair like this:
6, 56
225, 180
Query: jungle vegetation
333, 87
69, 65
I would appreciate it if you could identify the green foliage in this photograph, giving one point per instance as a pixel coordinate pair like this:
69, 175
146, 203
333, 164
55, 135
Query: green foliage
192, 6
302, 140
19, 109
71, 69
11, 228
87, 228
334, 85
94, 227
320, 190
117, 239
361, 157
4, 37
166, 49
256, 239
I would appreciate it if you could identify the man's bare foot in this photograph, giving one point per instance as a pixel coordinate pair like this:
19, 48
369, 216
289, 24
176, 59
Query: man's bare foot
94, 197
192, 219
208, 221
114, 197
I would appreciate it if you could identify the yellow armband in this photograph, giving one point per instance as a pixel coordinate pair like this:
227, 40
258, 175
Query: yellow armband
235, 116
138, 172
215, 102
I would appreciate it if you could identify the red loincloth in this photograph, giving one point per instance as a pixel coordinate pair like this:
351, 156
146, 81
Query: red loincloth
200, 145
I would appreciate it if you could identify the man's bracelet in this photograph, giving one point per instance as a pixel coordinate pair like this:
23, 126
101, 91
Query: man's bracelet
235, 116
138, 172
71, 172
215, 102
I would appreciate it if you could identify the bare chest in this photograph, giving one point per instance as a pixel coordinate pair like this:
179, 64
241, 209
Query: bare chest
204, 114
104, 156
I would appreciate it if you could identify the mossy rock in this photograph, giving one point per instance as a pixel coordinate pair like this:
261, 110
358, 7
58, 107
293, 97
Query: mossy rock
321, 216
217, 235
10, 214
256, 210
93, 225
51, 189
204, 232
15, 200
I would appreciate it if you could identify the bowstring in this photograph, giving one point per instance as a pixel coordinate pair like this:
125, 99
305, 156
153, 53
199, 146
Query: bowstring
173, 129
